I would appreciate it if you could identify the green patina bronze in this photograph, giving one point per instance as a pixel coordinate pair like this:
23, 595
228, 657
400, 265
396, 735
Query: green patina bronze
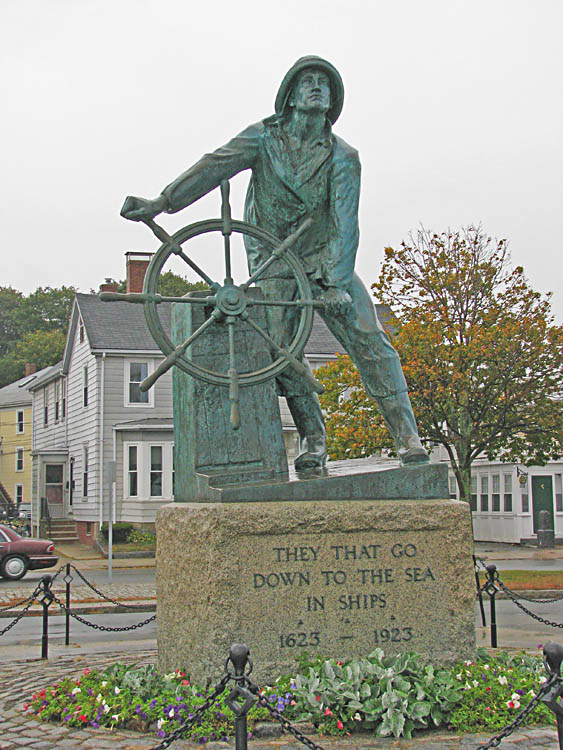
304, 190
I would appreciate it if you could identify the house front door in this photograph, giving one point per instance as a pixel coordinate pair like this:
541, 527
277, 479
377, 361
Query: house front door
542, 498
54, 474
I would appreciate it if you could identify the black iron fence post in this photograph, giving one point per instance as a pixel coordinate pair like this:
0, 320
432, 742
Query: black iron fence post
552, 657
479, 592
491, 589
240, 700
45, 597
68, 579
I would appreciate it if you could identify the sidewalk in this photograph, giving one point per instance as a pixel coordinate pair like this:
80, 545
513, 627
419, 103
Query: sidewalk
20, 678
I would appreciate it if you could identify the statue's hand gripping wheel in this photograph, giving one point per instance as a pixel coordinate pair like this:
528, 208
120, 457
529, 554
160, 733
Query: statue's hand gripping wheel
229, 304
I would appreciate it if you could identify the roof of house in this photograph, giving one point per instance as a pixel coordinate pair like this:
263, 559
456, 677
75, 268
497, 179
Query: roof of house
122, 326
16, 393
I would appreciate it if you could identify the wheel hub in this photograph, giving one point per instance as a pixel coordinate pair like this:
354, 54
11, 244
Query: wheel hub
14, 566
231, 300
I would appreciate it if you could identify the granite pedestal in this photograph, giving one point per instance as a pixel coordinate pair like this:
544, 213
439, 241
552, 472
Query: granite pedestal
332, 577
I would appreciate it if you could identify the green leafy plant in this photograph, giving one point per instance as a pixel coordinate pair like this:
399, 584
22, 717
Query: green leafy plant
141, 536
392, 696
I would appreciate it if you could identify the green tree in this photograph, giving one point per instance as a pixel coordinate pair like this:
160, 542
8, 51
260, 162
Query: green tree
10, 301
46, 309
481, 353
43, 348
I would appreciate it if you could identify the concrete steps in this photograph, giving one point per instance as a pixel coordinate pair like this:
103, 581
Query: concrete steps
63, 531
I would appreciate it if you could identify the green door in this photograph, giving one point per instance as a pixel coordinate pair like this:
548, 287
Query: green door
542, 498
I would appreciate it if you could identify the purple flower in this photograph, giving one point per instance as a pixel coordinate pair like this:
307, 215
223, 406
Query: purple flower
138, 708
152, 704
94, 724
161, 733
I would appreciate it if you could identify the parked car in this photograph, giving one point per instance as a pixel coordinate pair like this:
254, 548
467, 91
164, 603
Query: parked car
19, 554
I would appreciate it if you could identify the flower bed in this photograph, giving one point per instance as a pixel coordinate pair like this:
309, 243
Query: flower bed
386, 696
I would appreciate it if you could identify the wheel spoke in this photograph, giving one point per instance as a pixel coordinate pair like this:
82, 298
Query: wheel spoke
298, 366
227, 228
233, 377
165, 238
156, 298
277, 253
167, 363
284, 303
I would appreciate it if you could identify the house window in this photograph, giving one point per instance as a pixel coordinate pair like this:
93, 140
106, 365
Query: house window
85, 471
19, 459
19, 493
133, 470
57, 400
81, 332
453, 487
45, 406
63, 398
19, 422
558, 496
137, 372
508, 493
156, 470
485, 494
496, 493
85, 386
88, 528
473, 501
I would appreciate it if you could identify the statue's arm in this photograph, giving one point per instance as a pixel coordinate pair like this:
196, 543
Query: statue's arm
338, 263
238, 154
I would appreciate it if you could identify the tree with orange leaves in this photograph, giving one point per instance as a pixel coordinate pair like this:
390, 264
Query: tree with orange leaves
481, 353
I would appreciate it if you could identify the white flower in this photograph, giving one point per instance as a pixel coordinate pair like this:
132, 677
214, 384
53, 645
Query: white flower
99, 698
169, 676
160, 723
76, 690
542, 680
357, 717
116, 690
485, 666
115, 717
468, 662
171, 713
459, 676
475, 683
531, 692
105, 707
467, 686
515, 704
104, 683
515, 696
502, 679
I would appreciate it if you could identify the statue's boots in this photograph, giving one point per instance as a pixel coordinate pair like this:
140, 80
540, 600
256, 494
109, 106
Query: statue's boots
399, 418
308, 418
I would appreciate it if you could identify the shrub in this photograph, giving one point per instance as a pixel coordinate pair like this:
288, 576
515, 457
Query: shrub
120, 531
141, 536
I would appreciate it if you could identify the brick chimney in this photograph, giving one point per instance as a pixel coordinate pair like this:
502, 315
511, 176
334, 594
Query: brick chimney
109, 286
136, 267
30, 368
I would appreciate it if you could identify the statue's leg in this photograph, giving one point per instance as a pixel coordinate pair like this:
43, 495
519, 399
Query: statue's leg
302, 401
359, 331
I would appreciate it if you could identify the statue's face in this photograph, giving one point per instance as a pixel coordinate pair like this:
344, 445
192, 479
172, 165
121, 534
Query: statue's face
311, 92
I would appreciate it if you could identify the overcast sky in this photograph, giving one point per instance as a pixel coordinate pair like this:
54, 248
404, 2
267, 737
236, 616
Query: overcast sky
455, 107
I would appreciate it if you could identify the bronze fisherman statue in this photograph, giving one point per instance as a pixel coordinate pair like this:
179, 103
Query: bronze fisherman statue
301, 169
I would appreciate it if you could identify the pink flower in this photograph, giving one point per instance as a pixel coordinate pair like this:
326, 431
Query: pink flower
328, 712
86, 671
317, 697
25, 706
339, 724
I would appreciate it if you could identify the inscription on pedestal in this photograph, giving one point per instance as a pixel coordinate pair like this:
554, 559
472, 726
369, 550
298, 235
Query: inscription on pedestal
329, 593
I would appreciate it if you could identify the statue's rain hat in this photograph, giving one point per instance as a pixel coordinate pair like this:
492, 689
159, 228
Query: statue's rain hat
336, 85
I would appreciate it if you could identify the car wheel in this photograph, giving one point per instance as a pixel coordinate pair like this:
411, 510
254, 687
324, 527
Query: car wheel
14, 567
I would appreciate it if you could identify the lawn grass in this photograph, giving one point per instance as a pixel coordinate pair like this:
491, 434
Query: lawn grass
529, 580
